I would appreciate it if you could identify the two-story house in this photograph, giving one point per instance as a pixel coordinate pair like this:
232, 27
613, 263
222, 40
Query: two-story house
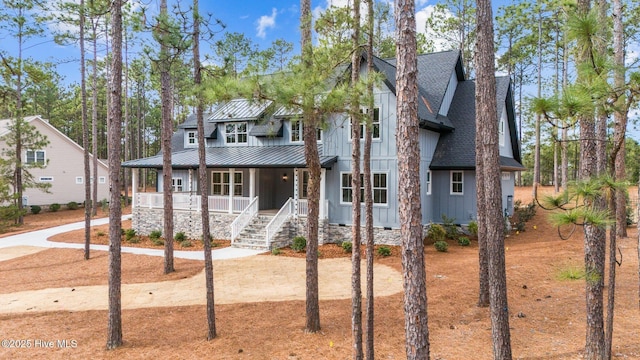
256, 166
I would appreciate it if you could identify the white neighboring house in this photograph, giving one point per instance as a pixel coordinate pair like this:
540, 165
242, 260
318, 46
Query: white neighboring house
64, 170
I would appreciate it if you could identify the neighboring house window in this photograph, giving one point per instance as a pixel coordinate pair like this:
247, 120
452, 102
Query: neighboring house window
79, 180
506, 176
428, 182
457, 182
102, 180
35, 157
380, 188
46, 179
501, 131
297, 132
375, 129
176, 184
236, 133
220, 183
191, 139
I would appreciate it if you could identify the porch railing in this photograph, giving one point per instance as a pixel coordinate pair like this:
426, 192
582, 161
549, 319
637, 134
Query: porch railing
189, 201
303, 207
244, 218
276, 223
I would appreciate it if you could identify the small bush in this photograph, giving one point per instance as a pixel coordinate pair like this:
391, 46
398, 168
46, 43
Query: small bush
186, 243
101, 233
214, 244
134, 240
276, 251
450, 227
35, 209
473, 228
104, 205
463, 241
155, 234
129, 234
441, 246
180, 237
436, 233
299, 244
347, 246
571, 272
72, 205
54, 207
384, 251
157, 241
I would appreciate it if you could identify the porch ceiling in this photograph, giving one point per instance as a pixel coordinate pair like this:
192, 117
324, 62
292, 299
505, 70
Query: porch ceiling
289, 156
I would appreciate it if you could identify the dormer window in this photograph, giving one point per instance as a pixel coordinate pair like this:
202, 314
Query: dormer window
236, 133
191, 138
297, 132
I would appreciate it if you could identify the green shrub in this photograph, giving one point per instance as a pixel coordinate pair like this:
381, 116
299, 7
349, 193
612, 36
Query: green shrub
180, 237
35, 209
157, 241
134, 240
441, 246
436, 232
72, 205
104, 205
384, 251
299, 244
129, 234
276, 251
155, 234
101, 233
473, 228
347, 246
214, 244
463, 241
54, 207
450, 227
186, 243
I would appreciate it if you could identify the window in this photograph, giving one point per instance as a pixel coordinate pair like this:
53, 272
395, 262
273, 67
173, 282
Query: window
297, 132
79, 180
457, 182
191, 139
428, 182
379, 187
220, 183
506, 176
303, 193
35, 157
375, 125
46, 179
176, 184
102, 180
236, 133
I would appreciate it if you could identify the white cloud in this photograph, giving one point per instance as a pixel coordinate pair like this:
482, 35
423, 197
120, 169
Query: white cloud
266, 22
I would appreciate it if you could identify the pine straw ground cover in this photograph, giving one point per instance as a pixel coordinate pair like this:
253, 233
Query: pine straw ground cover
546, 313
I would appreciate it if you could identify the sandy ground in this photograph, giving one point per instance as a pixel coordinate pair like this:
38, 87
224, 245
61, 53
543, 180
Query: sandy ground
253, 279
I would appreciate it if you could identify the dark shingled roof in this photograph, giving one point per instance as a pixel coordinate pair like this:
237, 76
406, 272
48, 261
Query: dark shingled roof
434, 72
456, 149
287, 156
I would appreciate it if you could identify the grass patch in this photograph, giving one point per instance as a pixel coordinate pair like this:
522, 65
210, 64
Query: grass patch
570, 272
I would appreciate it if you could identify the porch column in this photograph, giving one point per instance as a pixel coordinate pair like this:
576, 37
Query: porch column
296, 196
134, 188
323, 192
231, 172
252, 183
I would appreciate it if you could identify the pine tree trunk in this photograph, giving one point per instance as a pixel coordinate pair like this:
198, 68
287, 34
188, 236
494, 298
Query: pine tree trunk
619, 117
85, 140
167, 132
94, 121
202, 177
313, 187
114, 121
408, 152
486, 115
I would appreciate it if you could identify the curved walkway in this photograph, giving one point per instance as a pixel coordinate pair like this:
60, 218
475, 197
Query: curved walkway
239, 278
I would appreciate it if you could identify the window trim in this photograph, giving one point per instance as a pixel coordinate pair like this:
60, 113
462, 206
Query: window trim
299, 132
35, 157
362, 128
373, 189
429, 178
102, 180
451, 182
79, 180
505, 176
236, 134
188, 138
222, 183
501, 131
177, 185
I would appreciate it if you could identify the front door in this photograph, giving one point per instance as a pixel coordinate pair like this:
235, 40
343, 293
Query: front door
274, 187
